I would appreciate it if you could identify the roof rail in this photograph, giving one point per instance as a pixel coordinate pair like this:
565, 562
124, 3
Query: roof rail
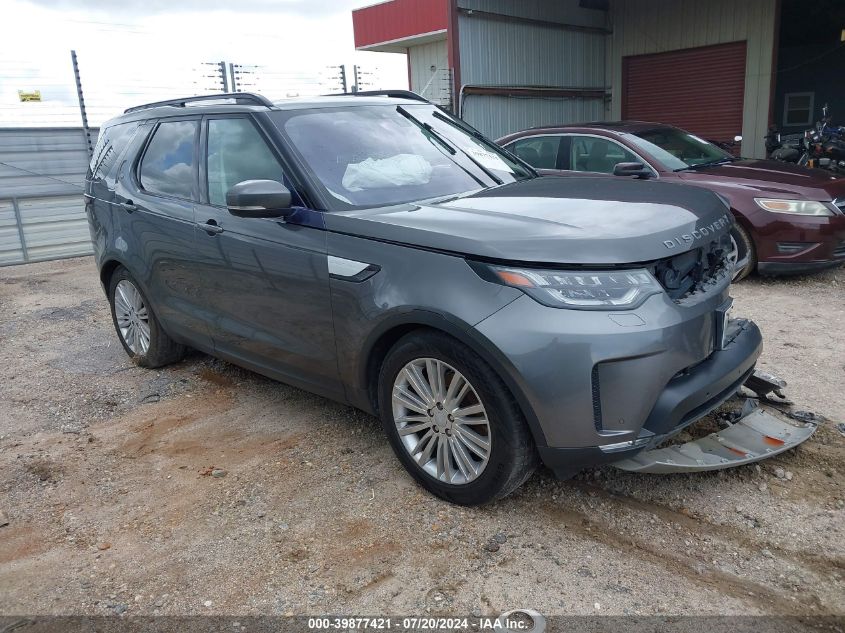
396, 94
238, 97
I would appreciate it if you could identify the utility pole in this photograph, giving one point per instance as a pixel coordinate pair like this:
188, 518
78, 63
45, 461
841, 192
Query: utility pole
85, 129
219, 75
355, 72
343, 78
232, 77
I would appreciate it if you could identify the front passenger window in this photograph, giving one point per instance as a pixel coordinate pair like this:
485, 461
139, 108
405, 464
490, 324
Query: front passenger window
237, 152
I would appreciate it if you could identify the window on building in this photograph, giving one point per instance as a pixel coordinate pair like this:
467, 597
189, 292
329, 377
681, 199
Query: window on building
168, 164
798, 108
237, 152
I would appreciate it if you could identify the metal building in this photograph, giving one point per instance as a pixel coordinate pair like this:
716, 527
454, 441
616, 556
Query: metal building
709, 66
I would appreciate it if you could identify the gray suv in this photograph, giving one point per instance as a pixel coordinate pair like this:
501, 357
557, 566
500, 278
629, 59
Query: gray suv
377, 251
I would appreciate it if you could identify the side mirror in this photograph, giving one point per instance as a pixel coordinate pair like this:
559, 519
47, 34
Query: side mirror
259, 199
637, 170
738, 138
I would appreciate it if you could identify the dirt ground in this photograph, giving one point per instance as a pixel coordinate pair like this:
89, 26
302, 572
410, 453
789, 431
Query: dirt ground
106, 484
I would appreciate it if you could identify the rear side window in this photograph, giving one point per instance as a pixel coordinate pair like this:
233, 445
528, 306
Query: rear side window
168, 163
538, 151
237, 152
110, 145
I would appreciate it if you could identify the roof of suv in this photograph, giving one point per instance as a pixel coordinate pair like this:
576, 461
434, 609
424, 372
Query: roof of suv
248, 102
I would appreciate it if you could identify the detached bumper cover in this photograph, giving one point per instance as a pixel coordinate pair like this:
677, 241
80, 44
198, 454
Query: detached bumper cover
756, 436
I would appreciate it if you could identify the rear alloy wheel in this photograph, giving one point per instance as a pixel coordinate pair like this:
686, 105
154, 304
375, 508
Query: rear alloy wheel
451, 420
136, 324
742, 256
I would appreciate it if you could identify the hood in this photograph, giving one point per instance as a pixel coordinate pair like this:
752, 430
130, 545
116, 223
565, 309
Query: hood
553, 220
770, 178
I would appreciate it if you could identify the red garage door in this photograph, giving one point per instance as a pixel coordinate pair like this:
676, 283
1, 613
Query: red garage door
698, 89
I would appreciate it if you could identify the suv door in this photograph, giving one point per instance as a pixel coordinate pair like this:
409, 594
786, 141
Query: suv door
154, 230
264, 281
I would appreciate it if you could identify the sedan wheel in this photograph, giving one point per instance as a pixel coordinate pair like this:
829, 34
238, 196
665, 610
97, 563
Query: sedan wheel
441, 421
133, 321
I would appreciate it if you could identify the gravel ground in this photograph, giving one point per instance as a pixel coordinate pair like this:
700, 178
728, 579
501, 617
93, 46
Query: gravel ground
203, 488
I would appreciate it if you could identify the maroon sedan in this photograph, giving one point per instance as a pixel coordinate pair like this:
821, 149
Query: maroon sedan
790, 219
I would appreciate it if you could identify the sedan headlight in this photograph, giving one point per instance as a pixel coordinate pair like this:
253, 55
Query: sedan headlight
796, 207
583, 290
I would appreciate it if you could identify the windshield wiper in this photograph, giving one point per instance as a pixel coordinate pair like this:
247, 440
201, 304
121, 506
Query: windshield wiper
430, 133
710, 163
528, 170
428, 128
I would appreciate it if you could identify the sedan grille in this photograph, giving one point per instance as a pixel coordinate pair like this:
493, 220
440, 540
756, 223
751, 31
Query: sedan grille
840, 204
694, 271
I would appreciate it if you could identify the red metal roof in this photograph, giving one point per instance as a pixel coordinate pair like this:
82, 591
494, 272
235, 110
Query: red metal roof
398, 19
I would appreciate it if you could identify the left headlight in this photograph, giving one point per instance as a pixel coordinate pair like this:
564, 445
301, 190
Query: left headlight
795, 207
582, 290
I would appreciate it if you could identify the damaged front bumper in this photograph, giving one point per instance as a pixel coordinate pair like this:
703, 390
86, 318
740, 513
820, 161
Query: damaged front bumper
753, 437
688, 397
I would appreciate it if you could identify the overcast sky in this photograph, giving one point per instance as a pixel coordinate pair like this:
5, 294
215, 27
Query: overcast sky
132, 52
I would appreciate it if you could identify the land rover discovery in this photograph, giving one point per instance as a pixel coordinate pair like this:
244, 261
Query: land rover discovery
377, 251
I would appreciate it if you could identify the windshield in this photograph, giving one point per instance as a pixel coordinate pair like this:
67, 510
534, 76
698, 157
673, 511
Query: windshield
382, 155
678, 149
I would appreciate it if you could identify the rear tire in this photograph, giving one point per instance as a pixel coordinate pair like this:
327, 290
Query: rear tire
137, 327
746, 253
453, 462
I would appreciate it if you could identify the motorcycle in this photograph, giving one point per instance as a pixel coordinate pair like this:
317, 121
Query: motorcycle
823, 146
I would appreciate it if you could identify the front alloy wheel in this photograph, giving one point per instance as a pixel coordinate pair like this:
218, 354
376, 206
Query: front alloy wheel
451, 421
441, 421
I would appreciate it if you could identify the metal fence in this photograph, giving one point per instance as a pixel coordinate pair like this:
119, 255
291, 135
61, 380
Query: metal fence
42, 213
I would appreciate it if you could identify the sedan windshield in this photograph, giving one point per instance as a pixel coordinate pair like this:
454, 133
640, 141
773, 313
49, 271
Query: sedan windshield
679, 150
382, 155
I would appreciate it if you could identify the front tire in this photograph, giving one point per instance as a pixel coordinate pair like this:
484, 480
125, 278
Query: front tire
452, 421
744, 255
136, 324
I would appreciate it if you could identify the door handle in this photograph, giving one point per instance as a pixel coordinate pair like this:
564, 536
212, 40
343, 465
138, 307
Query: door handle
211, 227
128, 206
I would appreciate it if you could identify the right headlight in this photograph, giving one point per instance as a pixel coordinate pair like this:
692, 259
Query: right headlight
795, 207
580, 290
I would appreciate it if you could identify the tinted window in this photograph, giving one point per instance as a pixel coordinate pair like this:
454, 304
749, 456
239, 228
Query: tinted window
538, 151
589, 153
168, 165
113, 140
237, 152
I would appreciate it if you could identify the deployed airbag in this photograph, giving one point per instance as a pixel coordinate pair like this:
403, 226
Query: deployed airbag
396, 171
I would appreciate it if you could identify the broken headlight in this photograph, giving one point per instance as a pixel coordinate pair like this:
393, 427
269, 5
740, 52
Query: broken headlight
582, 289
795, 207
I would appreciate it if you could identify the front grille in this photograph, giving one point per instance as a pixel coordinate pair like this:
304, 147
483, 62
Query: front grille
694, 271
839, 251
840, 204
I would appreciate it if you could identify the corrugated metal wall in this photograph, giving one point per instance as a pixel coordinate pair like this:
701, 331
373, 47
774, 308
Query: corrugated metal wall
498, 53
656, 26
433, 85
42, 214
